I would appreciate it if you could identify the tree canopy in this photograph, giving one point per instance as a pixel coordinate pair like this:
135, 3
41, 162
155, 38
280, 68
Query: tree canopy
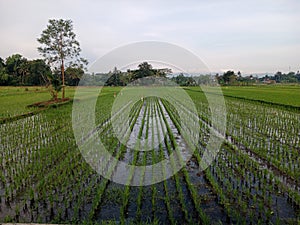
16, 70
59, 47
118, 78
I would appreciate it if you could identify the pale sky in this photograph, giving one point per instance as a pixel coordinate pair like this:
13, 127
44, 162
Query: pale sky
248, 35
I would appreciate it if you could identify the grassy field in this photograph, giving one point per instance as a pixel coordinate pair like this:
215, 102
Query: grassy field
280, 94
14, 100
254, 179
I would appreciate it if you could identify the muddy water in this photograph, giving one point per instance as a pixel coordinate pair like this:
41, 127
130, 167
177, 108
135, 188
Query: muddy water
154, 203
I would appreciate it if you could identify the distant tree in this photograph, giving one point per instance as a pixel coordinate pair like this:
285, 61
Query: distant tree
23, 70
16, 68
298, 76
39, 72
220, 79
2, 63
4, 78
114, 78
185, 80
145, 70
162, 72
73, 75
3, 74
278, 77
126, 77
119, 78
290, 78
145, 66
59, 46
180, 79
229, 77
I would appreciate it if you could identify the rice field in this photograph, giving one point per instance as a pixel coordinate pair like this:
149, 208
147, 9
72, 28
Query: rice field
14, 100
255, 178
287, 95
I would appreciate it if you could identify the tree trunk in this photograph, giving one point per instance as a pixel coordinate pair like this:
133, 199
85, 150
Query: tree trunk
55, 97
63, 78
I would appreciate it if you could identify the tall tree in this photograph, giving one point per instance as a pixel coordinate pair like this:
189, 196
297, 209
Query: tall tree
3, 74
2, 64
114, 78
145, 70
23, 70
229, 77
59, 46
16, 67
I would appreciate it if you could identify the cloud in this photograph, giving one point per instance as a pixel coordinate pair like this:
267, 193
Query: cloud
223, 33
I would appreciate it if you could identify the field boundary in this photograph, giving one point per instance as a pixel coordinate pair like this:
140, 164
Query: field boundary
28, 114
291, 107
21, 116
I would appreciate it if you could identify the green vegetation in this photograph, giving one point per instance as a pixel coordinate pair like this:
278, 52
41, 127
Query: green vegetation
232, 78
61, 66
14, 101
17, 70
119, 78
288, 95
59, 46
253, 180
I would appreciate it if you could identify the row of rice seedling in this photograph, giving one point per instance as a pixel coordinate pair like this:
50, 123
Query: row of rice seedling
171, 146
27, 173
118, 150
125, 202
193, 194
41, 156
140, 158
254, 179
143, 158
161, 156
263, 187
259, 135
95, 189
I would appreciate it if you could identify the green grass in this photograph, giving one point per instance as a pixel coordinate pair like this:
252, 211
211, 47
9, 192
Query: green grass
14, 100
279, 94
286, 95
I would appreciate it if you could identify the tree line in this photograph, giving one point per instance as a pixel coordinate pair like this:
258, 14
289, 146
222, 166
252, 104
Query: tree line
16, 70
232, 78
119, 78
